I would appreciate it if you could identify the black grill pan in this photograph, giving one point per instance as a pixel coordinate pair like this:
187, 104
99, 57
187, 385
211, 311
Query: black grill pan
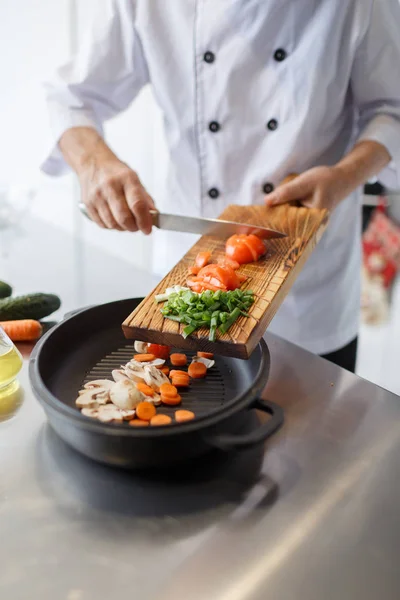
90, 344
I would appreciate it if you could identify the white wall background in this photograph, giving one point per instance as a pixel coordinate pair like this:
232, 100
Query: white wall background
35, 37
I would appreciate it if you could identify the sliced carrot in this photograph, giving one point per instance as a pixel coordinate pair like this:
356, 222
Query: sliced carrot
181, 382
178, 360
25, 330
174, 372
209, 355
145, 411
145, 389
144, 357
164, 370
197, 370
139, 423
184, 415
171, 401
168, 391
202, 259
161, 420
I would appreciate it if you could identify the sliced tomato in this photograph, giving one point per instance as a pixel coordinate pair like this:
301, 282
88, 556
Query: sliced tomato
202, 259
237, 250
193, 270
195, 286
244, 248
159, 351
253, 251
218, 274
226, 261
257, 244
242, 278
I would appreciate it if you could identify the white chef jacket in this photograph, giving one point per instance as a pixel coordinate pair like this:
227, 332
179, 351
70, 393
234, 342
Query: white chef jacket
250, 90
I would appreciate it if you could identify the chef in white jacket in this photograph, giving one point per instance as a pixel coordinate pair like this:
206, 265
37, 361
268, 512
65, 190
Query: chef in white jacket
251, 91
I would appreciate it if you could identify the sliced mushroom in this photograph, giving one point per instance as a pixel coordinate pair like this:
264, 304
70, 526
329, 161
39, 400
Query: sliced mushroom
90, 412
134, 374
88, 399
125, 395
109, 413
206, 361
105, 384
157, 362
140, 347
118, 375
156, 399
154, 377
128, 415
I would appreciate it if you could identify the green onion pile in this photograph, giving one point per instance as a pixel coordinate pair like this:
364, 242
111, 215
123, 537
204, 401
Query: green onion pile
217, 311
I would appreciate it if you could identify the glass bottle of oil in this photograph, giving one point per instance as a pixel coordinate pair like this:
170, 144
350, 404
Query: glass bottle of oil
10, 364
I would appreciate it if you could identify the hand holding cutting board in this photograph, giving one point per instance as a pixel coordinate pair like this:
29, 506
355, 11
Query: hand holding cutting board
327, 186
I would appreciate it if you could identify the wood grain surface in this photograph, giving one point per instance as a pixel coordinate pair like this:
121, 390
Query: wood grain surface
270, 279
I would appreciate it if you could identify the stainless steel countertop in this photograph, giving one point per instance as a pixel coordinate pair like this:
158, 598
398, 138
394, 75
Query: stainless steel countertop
315, 516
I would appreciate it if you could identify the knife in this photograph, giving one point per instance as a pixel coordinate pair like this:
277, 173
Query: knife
211, 227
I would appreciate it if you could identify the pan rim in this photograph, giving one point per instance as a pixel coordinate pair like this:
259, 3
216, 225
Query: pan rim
48, 400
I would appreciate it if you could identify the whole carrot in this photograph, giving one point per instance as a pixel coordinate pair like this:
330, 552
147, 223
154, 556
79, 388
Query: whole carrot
25, 330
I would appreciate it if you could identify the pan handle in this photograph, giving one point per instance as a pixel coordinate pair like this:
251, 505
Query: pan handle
240, 442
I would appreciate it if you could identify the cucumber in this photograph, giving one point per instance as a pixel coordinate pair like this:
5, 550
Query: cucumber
33, 306
5, 289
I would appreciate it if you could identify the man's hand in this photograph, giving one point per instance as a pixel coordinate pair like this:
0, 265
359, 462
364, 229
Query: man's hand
114, 196
326, 187
320, 187
112, 192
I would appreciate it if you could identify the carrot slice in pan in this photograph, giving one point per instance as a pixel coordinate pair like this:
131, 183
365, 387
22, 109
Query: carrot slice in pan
197, 370
178, 360
145, 389
145, 411
144, 357
168, 391
184, 415
209, 355
171, 401
139, 423
160, 420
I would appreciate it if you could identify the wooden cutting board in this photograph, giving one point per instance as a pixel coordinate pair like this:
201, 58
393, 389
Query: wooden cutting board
270, 279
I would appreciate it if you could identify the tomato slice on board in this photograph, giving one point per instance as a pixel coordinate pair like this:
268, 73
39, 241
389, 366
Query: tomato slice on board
202, 259
229, 262
257, 244
244, 248
218, 274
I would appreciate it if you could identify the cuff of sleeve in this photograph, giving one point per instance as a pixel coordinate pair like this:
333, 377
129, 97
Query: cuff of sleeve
61, 120
385, 130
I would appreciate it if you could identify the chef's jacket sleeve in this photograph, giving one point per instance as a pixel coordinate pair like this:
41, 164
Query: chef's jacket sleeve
376, 83
101, 81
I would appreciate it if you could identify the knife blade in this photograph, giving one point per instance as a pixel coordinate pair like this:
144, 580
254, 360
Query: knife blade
210, 227
200, 226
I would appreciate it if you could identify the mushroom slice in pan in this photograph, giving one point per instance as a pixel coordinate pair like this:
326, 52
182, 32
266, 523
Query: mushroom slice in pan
105, 384
109, 413
134, 371
140, 347
125, 395
135, 364
90, 412
118, 375
154, 377
88, 399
